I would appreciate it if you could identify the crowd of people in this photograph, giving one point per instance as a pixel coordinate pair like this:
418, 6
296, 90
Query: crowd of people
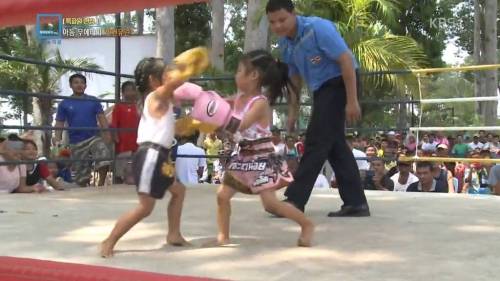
377, 155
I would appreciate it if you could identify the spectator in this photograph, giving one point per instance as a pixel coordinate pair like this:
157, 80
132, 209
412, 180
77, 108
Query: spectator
441, 139
190, 170
475, 144
64, 168
460, 148
392, 145
482, 137
476, 178
384, 144
377, 179
443, 176
300, 145
404, 177
494, 179
39, 172
279, 145
428, 145
363, 165
371, 151
125, 116
84, 143
494, 146
410, 143
291, 154
12, 177
426, 182
212, 145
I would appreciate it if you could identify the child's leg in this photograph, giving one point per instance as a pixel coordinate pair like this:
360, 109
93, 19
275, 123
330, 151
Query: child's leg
126, 222
272, 204
224, 195
174, 236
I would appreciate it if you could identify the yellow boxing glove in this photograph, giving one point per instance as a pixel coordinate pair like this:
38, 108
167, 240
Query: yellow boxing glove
190, 63
187, 126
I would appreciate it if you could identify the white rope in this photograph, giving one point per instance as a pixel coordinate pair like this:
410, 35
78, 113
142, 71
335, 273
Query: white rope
484, 128
452, 100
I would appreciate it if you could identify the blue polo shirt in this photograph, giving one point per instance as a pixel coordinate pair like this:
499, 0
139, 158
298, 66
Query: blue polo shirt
314, 51
79, 113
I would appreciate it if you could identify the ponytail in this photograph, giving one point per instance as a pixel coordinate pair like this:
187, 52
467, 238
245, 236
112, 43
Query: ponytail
273, 73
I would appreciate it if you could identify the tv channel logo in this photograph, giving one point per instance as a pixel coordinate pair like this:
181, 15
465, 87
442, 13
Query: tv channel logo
49, 26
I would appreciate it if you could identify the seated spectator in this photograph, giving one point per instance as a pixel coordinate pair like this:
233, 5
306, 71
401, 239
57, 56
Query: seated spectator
426, 182
476, 178
482, 137
410, 143
475, 144
371, 151
189, 170
428, 145
376, 178
494, 179
363, 165
494, 147
460, 148
64, 168
38, 172
384, 144
404, 177
441, 139
443, 176
12, 177
291, 154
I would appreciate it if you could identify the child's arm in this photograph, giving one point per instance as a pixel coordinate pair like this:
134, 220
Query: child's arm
170, 83
259, 111
54, 183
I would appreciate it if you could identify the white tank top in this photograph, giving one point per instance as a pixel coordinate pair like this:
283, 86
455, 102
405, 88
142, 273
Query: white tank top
159, 131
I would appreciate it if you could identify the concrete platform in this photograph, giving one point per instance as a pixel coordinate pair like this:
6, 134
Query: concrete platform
409, 236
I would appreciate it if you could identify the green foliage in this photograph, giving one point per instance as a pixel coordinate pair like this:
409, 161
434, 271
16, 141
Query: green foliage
420, 20
192, 27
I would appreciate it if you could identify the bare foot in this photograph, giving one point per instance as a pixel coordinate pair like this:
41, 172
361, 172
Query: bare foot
306, 236
220, 241
107, 248
216, 243
177, 240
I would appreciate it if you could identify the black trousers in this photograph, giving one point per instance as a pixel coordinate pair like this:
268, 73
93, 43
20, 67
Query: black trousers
325, 140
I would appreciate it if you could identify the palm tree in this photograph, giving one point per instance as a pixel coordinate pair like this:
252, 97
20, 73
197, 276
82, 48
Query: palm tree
39, 79
362, 23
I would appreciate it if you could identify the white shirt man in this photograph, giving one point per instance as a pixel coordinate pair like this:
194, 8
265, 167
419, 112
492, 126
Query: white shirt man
474, 146
188, 170
398, 187
363, 165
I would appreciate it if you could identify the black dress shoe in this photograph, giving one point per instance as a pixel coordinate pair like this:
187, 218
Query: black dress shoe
352, 211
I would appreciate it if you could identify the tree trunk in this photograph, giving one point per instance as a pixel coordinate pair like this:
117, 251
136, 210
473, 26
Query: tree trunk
478, 75
165, 33
490, 57
217, 52
127, 20
256, 32
140, 21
